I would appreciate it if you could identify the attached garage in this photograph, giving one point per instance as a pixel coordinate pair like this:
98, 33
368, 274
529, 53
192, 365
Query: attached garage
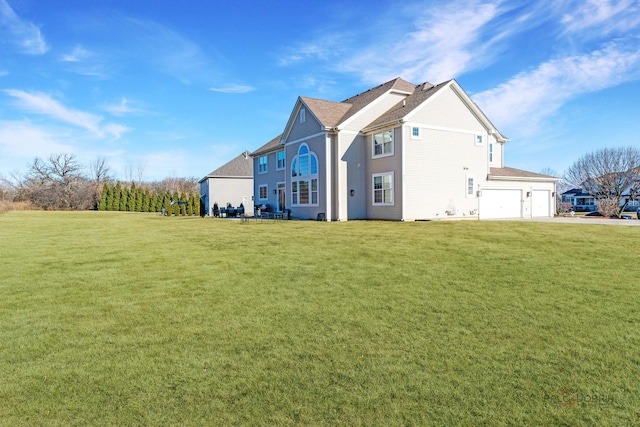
540, 203
500, 204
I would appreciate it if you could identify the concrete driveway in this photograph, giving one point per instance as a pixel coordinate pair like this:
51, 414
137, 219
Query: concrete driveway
590, 220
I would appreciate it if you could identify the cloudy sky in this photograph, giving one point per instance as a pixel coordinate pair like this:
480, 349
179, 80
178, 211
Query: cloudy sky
181, 87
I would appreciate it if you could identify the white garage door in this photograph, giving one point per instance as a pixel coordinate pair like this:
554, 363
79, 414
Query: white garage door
501, 204
541, 203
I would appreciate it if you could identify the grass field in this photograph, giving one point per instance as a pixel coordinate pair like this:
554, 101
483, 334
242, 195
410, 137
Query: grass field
135, 319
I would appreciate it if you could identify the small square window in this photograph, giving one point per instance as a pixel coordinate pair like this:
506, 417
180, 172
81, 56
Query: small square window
415, 133
479, 139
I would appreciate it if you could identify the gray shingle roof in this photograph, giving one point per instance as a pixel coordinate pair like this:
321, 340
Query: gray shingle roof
239, 167
328, 112
419, 94
331, 114
497, 173
268, 147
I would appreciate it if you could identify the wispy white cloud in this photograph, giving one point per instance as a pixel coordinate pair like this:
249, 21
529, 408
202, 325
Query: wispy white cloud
78, 54
20, 32
85, 62
169, 51
124, 107
233, 89
40, 103
529, 97
450, 39
606, 16
42, 141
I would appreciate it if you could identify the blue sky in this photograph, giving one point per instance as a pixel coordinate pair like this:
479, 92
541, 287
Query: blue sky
178, 88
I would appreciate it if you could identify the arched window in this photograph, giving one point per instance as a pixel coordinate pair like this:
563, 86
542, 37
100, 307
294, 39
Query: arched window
304, 177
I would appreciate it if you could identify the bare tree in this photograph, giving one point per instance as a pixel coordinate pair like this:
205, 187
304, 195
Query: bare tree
57, 183
99, 171
610, 175
141, 166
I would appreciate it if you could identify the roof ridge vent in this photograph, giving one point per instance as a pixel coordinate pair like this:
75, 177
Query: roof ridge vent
426, 86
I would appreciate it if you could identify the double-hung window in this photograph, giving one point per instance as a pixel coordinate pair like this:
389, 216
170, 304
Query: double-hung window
262, 164
280, 157
304, 177
383, 143
263, 192
382, 189
470, 185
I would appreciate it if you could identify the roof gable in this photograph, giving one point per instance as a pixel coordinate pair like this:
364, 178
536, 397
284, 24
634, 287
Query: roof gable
239, 167
328, 113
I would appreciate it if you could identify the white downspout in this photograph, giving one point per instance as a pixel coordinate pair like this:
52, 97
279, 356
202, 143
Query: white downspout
329, 182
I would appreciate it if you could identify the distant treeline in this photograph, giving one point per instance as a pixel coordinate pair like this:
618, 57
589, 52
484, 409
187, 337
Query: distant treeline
132, 198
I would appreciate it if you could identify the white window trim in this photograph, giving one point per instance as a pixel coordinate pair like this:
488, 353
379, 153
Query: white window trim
307, 178
266, 164
373, 189
466, 186
373, 144
491, 152
479, 139
284, 163
303, 115
411, 135
266, 187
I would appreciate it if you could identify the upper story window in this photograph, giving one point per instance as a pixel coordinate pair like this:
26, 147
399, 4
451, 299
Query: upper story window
262, 164
415, 132
479, 139
304, 177
303, 115
383, 143
382, 189
280, 157
490, 153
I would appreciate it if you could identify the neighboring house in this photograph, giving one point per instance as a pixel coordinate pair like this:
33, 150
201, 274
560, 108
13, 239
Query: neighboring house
585, 202
230, 183
398, 151
581, 201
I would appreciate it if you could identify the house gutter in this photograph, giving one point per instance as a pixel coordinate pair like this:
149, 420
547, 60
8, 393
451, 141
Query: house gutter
520, 178
383, 125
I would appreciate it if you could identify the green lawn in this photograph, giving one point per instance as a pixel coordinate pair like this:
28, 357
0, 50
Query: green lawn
137, 319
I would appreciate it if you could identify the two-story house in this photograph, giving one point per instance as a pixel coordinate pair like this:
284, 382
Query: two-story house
398, 151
